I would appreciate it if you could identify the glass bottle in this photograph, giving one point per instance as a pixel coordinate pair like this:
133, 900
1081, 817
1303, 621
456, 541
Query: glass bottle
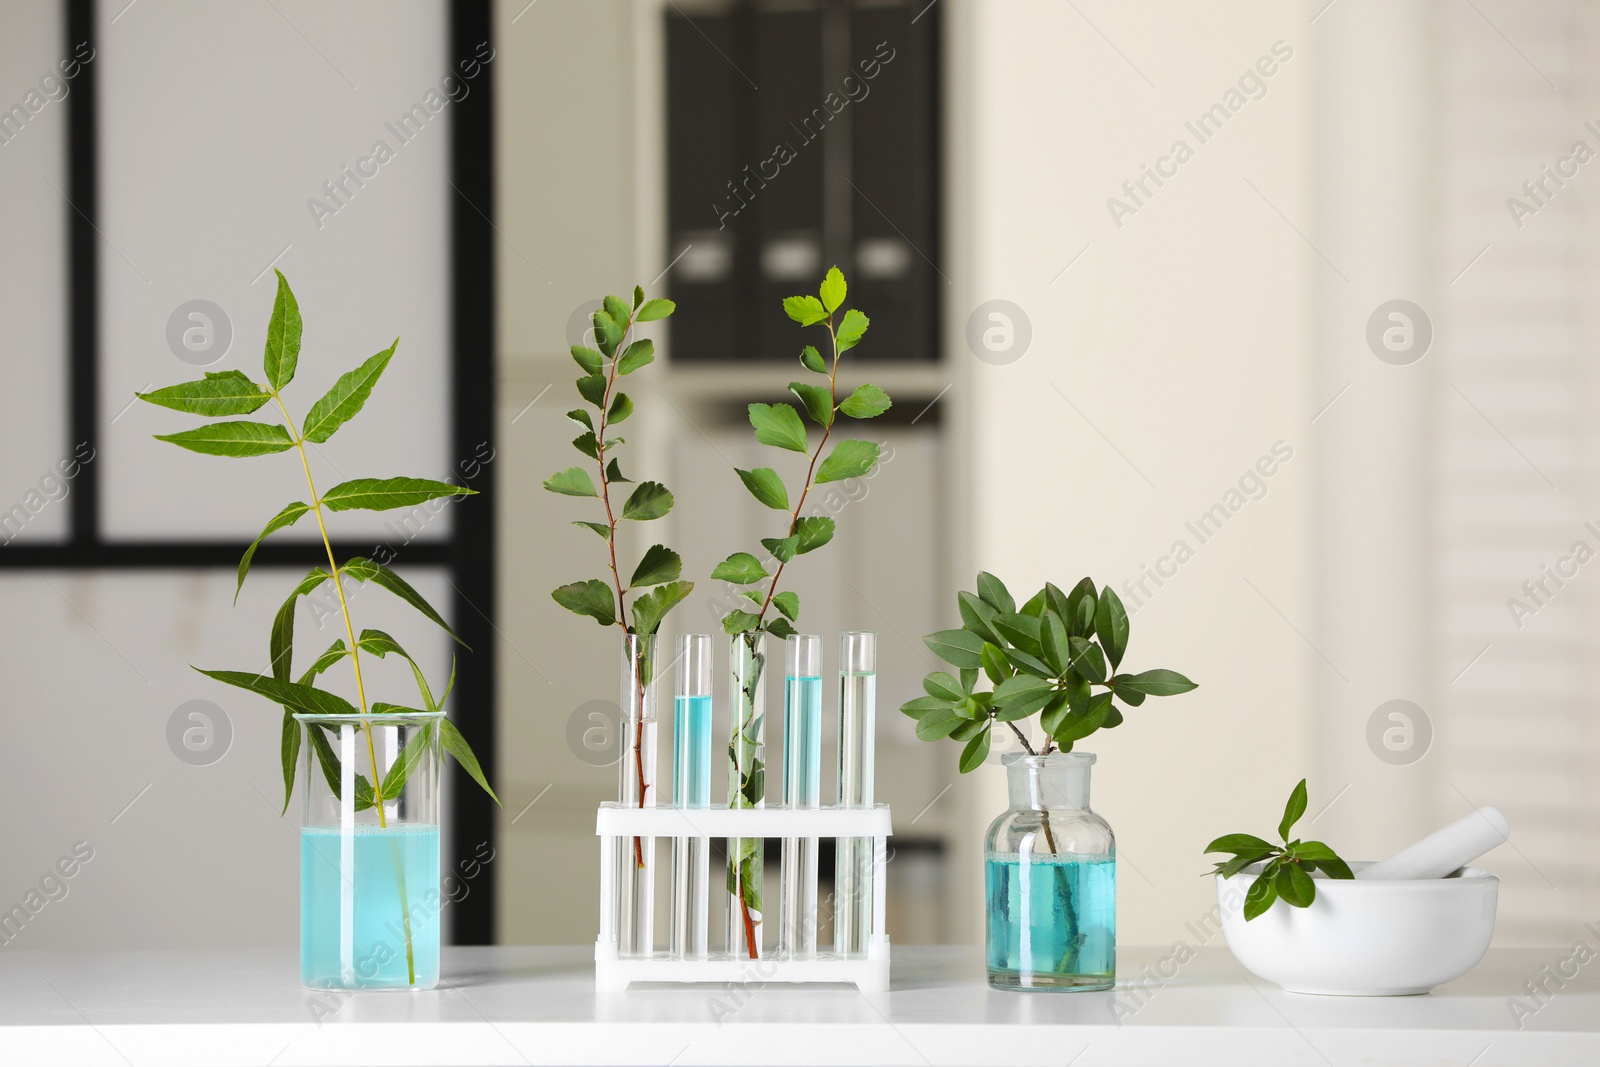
691, 788
802, 788
636, 861
369, 872
852, 867
1051, 880
747, 788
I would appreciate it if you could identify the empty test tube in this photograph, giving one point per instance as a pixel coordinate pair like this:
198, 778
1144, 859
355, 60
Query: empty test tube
852, 884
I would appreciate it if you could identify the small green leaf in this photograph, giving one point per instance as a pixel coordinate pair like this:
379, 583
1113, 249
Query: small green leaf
1029, 663
385, 494
977, 750
1087, 659
994, 663
944, 686
1054, 645
607, 331
394, 782
992, 591
739, 622
780, 628
833, 290
1132, 697
598, 527
302, 698
233, 439
937, 725
814, 531
592, 598
765, 485
1111, 623
741, 568
593, 389
574, 481
978, 617
1240, 843
591, 361
588, 444
581, 417
222, 393
1021, 695
867, 402
636, 355
811, 359
1240, 862
788, 603
616, 309
656, 309
1037, 604
289, 752
783, 549
1156, 683
923, 705
851, 330
806, 310
956, 647
1294, 885
1334, 867
778, 425
283, 336
283, 519
621, 408
1023, 631
614, 473
849, 459
1259, 897
649, 500
341, 403
650, 609
1292, 811
280, 645
659, 564
817, 399
457, 746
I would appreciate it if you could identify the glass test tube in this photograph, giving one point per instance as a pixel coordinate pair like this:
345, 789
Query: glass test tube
747, 753
853, 856
802, 788
691, 788
636, 860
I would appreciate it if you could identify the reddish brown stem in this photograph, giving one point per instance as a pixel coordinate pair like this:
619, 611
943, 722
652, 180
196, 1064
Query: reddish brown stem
749, 923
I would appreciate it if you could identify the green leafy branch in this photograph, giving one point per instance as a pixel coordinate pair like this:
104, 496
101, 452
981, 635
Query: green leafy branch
1046, 658
228, 393
660, 566
1286, 874
779, 426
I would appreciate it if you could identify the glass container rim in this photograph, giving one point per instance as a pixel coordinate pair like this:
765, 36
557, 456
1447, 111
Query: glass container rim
388, 718
1052, 759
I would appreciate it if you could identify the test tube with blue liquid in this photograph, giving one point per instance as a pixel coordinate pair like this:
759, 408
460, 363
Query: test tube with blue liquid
691, 788
853, 856
802, 788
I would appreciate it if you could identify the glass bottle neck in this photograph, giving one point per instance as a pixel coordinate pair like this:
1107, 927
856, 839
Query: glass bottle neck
1040, 783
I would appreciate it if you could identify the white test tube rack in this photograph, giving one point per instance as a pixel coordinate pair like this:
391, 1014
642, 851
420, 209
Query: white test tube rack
615, 821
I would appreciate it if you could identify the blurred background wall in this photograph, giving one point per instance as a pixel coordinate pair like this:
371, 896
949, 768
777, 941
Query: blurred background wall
1176, 370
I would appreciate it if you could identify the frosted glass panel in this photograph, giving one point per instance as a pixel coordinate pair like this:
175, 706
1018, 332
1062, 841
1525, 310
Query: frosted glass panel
33, 271
223, 127
183, 820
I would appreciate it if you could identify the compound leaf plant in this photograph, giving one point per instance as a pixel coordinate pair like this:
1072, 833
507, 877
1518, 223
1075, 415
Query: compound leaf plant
1047, 658
605, 600
764, 609
222, 394
1286, 874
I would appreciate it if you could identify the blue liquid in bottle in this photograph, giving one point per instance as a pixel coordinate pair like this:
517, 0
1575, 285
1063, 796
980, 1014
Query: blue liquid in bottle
802, 742
1052, 921
691, 752
384, 859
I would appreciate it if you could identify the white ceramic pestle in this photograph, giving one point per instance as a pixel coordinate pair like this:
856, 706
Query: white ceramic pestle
1444, 851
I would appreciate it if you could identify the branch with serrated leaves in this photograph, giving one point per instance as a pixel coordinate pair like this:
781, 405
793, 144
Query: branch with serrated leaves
780, 426
1044, 658
1286, 874
660, 566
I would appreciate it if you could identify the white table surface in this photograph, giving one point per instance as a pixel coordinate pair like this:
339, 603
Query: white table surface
538, 1005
